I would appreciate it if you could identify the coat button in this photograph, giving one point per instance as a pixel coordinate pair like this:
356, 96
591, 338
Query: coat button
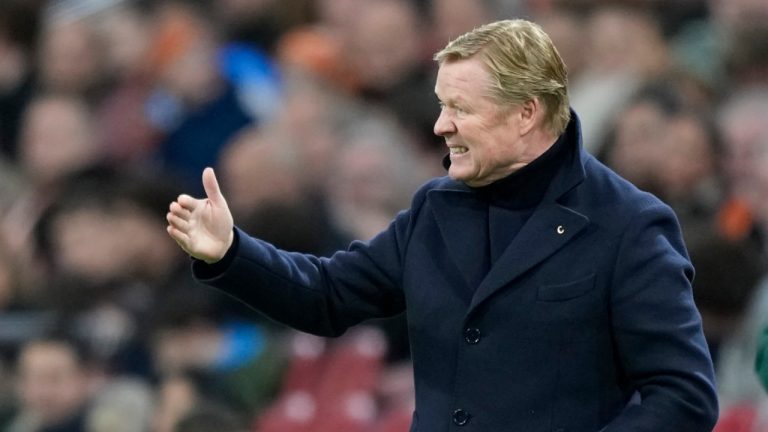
472, 335
460, 417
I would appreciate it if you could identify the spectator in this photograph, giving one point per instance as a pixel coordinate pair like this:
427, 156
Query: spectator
634, 146
261, 168
567, 27
706, 46
739, 388
54, 387
106, 276
127, 33
194, 107
176, 398
259, 23
745, 134
452, 18
375, 173
392, 65
18, 32
70, 59
727, 278
235, 362
57, 139
264, 172
689, 173
625, 49
122, 405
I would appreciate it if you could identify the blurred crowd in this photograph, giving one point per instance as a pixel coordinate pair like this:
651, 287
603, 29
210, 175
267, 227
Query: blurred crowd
318, 115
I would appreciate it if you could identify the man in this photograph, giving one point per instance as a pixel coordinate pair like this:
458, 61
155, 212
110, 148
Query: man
543, 292
54, 386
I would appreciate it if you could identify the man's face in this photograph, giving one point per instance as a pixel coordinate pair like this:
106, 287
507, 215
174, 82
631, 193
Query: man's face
52, 384
482, 136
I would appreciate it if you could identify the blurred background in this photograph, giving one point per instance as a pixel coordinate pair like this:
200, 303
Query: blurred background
318, 117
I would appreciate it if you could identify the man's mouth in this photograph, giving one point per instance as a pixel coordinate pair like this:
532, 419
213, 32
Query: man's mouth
458, 150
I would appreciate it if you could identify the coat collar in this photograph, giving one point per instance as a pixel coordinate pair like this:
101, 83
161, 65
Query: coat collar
550, 227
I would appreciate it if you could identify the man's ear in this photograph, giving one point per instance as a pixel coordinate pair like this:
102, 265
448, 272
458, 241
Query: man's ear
530, 111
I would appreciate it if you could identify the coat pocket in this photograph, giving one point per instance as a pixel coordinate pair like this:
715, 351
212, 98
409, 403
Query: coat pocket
566, 291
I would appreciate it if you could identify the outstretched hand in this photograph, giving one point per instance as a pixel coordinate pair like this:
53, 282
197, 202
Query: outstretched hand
202, 227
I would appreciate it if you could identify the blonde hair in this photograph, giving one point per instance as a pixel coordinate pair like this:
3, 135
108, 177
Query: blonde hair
523, 64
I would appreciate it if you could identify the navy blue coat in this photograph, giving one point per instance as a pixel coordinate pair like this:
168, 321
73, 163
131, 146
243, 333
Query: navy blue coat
586, 322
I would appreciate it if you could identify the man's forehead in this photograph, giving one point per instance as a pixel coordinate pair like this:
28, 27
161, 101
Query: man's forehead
460, 73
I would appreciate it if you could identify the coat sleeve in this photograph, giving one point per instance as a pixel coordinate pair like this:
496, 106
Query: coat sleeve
658, 332
323, 296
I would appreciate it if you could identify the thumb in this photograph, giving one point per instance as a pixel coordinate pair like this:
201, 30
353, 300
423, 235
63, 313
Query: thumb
211, 186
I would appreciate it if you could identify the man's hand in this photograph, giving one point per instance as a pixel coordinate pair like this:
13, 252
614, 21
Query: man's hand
202, 227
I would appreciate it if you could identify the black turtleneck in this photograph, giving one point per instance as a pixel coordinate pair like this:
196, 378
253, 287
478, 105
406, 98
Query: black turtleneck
525, 187
512, 200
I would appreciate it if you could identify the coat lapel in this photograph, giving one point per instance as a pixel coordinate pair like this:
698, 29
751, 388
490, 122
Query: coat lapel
462, 221
550, 227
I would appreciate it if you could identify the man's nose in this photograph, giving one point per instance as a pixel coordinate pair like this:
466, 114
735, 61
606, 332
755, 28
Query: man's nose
444, 125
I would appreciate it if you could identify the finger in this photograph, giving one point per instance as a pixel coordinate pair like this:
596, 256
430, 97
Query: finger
180, 211
211, 186
187, 202
180, 238
177, 222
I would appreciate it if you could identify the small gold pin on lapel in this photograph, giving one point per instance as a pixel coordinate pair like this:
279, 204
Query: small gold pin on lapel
560, 229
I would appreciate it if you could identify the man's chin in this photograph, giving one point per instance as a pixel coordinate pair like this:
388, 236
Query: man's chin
459, 175
454, 174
